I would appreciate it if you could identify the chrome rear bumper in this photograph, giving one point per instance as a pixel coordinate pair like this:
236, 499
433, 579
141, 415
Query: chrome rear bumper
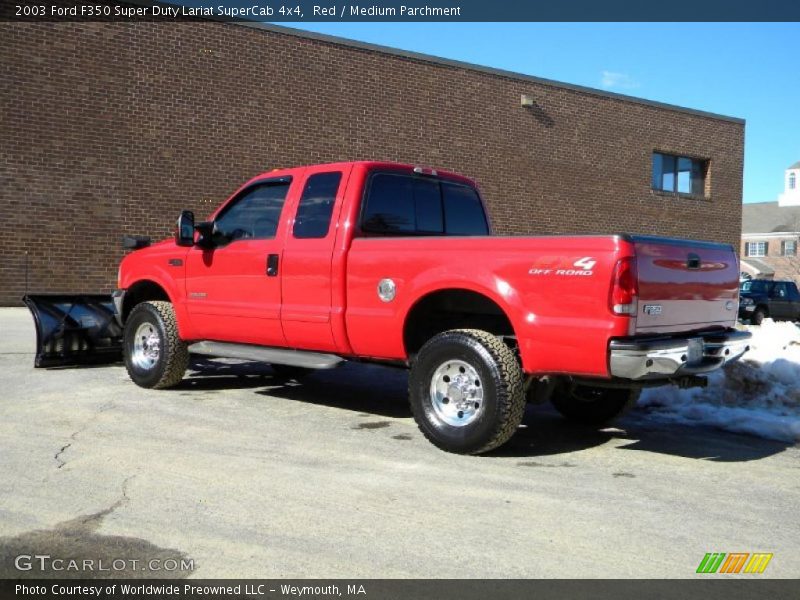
664, 357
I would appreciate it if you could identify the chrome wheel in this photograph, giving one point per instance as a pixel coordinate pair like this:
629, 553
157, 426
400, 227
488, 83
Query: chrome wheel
456, 393
146, 346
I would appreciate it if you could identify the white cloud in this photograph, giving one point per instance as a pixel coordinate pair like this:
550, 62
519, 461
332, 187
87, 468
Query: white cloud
623, 81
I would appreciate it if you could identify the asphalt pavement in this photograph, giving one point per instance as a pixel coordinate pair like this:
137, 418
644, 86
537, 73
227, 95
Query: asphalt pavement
240, 474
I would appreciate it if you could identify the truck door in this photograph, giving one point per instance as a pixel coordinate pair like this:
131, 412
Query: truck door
233, 289
308, 272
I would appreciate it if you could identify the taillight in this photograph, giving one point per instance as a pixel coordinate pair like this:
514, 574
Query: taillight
624, 287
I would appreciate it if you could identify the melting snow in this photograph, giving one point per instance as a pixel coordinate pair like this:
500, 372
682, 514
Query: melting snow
758, 395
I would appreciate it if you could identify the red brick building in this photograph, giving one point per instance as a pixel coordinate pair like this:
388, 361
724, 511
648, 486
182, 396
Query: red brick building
112, 128
771, 232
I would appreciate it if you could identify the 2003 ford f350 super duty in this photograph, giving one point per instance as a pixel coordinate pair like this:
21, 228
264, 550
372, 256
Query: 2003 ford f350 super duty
306, 267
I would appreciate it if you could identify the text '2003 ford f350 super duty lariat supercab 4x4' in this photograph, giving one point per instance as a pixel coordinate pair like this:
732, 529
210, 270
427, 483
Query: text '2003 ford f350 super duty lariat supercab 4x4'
307, 267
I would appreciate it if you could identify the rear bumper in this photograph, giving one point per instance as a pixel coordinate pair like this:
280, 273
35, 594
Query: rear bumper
664, 357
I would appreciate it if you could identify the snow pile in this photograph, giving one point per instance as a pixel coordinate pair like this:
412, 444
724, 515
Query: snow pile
758, 395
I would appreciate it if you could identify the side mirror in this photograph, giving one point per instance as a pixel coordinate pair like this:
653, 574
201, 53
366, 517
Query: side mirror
184, 233
206, 229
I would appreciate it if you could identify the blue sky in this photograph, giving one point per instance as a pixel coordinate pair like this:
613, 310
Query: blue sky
745, 70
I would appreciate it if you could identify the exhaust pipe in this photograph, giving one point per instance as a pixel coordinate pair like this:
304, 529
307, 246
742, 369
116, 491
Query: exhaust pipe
75, 329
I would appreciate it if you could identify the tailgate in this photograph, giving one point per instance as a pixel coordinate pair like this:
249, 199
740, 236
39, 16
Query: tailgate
685, 285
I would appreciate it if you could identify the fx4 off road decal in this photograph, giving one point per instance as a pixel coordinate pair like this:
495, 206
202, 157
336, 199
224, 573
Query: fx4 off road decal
583, 267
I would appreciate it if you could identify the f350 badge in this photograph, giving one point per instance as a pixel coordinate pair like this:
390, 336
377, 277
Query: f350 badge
652, 309
583, 267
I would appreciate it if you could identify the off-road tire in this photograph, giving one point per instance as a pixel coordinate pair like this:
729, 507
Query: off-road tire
593, 405
503, 398
758, 316
290, 371
173, 359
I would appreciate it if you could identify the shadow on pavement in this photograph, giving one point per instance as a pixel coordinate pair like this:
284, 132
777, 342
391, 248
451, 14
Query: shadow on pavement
379, 391
704, 443
372, 389
382, 391
545, 433
209, 374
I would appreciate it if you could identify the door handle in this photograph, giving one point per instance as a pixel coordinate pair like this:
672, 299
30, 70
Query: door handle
272, 265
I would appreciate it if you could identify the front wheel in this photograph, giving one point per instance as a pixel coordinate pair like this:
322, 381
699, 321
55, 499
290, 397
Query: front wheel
758, 316
155, 356
593, 405
466, 393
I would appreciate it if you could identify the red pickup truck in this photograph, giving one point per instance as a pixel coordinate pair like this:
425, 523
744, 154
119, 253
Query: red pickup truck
306, 267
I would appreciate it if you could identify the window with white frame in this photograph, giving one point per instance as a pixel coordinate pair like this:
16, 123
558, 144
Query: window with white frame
789, 247
792, 181
756, 249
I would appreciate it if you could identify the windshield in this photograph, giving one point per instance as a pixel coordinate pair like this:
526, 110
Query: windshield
755, 287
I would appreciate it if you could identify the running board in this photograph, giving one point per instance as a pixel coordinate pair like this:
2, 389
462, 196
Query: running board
279, 356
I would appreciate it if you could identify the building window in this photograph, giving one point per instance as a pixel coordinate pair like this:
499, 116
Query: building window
679, 174
756, 249
789, 248
792, 181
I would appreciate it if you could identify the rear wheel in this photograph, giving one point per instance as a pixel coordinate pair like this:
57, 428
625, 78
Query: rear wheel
155, 356
466, 393
593, 405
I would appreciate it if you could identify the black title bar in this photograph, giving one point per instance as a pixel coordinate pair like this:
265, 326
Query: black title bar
402, 10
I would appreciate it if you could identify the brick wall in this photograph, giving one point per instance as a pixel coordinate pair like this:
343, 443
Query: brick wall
113, 128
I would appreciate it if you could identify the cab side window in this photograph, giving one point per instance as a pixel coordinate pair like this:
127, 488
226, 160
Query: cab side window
313, 219
399, 204
255, 213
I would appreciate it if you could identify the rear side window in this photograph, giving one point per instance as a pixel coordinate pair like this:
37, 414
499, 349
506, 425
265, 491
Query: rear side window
779, 291
313, 219
255, 213
398, 204
390, 205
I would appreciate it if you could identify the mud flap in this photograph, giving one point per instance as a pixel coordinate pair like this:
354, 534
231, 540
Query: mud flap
75, 329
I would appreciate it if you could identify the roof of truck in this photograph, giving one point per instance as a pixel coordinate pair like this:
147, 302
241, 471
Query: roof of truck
369, 164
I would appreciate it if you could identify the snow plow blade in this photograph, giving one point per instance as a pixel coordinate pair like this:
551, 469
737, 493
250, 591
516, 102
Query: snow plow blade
75, 329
